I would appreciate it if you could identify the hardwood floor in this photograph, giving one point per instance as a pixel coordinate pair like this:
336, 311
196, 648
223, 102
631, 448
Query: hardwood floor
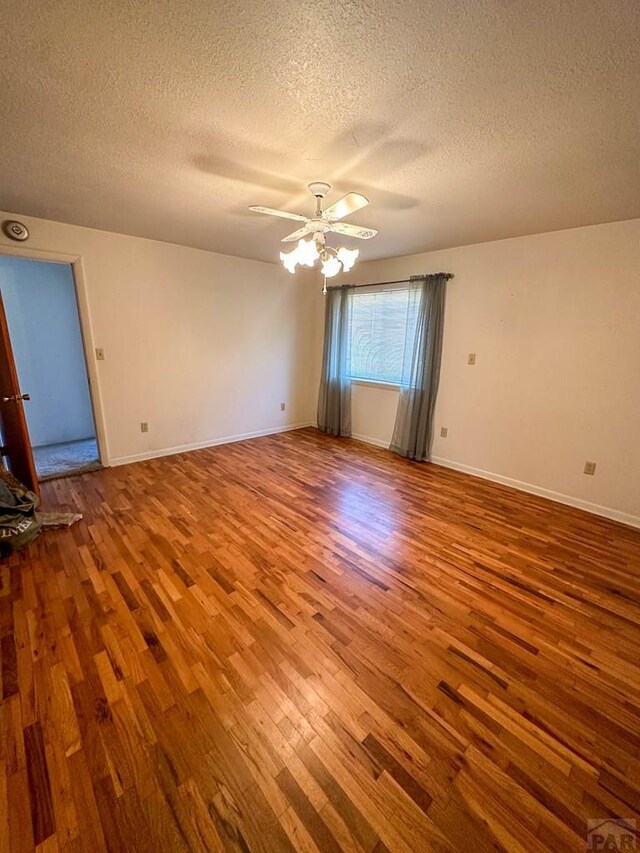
302, 643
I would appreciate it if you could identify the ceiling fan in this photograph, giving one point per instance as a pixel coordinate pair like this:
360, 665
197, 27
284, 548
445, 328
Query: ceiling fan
318, 225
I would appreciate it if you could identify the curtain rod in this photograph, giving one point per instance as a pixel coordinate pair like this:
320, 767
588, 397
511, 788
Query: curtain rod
447, 275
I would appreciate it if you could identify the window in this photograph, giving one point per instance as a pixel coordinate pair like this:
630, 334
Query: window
381, 321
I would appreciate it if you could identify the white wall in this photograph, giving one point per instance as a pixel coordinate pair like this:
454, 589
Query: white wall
204, 347
555, 322
40, 304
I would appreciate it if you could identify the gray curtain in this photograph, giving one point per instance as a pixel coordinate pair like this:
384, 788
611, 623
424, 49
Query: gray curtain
413, 428
334, 400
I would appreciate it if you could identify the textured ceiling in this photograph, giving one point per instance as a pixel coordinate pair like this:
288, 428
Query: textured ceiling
462, 120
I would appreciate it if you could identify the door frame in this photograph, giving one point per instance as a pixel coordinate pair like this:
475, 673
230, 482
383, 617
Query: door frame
86, 332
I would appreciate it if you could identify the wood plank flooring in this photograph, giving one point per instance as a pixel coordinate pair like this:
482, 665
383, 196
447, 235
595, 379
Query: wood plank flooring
303, 643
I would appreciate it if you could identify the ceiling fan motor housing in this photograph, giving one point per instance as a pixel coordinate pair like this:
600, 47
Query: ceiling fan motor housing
319, 224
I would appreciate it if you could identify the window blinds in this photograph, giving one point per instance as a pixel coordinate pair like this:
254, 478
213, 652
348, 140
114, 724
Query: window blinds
382, 325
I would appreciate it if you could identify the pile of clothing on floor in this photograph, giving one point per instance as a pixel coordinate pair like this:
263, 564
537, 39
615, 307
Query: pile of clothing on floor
19, 521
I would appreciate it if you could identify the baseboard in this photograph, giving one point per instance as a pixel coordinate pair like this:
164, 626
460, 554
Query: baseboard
587, 506
578, 503
377, 442
201, 445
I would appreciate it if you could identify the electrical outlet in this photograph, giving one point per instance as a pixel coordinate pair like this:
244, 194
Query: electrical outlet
283, 406
444, 432
99, 354
472, 358
589, 467
144, 426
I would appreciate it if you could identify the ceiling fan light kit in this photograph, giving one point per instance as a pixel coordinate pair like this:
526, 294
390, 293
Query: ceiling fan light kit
307, 252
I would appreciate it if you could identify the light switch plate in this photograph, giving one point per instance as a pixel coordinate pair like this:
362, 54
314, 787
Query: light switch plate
472, 358
144, 426
99, 354
590, 468
444, 431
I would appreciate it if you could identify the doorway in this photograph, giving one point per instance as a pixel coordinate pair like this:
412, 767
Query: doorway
40, 305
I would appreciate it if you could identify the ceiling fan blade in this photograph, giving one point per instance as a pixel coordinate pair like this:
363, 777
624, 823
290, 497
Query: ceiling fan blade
301, 232
257, 208
344, 206
353, 230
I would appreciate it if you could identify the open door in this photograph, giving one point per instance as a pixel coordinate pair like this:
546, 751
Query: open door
16, 446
